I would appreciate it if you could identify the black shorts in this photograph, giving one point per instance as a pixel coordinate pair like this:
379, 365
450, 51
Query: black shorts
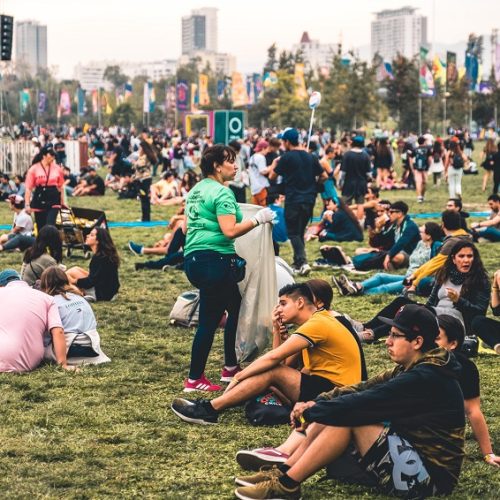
313, 385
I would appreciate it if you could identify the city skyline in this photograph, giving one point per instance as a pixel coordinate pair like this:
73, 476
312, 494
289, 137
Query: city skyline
123, 31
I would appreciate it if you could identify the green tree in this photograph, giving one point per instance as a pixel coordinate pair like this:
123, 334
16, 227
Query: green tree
114, 75
124, 115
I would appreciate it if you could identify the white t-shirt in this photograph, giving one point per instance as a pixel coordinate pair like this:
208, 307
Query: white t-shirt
22, 219
258, 182
76, 314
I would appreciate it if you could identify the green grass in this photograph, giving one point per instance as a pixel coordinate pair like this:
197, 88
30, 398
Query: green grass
108, 431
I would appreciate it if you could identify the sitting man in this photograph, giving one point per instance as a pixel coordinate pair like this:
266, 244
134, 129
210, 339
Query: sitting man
91, 185
455, 205
489, 229
330, 356
406, 425
27, 314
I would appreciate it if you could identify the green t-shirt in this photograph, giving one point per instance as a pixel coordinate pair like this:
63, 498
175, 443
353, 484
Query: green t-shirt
207, 200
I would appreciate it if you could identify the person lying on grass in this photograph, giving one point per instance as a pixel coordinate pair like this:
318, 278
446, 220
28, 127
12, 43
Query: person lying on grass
402, 430
329, 353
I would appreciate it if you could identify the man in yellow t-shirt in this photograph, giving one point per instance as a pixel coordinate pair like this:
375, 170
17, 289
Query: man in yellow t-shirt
330, 354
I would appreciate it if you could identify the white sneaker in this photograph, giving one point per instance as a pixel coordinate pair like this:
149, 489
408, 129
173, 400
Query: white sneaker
304, 270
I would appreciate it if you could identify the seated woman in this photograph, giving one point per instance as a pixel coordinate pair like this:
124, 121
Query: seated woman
101, 281
428, 246
460, 290
20, 236
45, 252
451, 337
166, 191
488, 329
339, 223
78, 320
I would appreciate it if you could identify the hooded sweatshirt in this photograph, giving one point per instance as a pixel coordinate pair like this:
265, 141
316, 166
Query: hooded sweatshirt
424, 404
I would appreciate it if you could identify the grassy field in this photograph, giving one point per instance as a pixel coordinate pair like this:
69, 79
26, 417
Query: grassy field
108, 430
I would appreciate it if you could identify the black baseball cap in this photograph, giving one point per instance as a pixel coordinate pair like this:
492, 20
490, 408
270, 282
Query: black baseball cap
415, 320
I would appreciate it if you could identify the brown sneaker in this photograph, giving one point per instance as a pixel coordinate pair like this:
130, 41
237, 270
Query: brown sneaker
265, 473
270, 490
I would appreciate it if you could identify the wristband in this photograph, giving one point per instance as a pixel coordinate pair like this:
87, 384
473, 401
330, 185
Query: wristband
489, 457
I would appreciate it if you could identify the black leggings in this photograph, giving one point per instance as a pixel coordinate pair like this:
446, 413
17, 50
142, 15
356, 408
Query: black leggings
175, 253
381, 329
46, 218
486, 329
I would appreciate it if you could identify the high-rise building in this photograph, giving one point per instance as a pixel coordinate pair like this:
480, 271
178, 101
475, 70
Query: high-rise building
316, 55
199, 31
398, 31
30, 46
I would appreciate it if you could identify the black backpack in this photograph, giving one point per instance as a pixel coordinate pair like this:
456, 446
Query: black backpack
458, 162
421, 156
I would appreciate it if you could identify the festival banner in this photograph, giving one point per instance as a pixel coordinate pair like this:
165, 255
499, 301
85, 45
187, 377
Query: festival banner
152, 97
451, 68
425, 75
80, 101
42, 102
170, 98
145, 100
240, 96
270, 79
300, 83
250, 90
195, 97
105, 106
24, 100
384, 71
182, 95
95, 101
128, 91
471, 69
257, 84
221, 89
65, 103
497, 62
439, 69
203, 90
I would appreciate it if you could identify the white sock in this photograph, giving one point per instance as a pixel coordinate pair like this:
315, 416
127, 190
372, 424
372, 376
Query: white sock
230, 368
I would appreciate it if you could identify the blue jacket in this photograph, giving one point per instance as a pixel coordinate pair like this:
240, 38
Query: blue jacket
408, 240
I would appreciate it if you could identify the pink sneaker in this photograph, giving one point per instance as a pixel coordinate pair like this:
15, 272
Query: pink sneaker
255, 459
202, 384
227, 375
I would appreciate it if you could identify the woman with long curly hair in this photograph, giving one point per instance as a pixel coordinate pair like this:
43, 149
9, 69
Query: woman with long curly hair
46, 251
101, 281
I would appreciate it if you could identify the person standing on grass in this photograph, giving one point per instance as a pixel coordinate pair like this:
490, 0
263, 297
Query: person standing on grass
300, 171
405, 426
213, 221
454, 168
421, 164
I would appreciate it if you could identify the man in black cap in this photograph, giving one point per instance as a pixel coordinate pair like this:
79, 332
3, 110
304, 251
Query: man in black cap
405, 426
300, 171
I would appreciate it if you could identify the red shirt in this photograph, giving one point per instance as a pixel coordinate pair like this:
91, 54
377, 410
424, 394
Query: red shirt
37, 176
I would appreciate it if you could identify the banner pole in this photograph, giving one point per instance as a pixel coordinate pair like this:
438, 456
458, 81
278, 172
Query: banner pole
310, 128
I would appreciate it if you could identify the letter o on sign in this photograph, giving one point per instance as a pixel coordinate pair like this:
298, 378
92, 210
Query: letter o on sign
235, 125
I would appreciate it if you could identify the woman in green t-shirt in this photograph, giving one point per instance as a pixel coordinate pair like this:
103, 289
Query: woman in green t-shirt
213, 221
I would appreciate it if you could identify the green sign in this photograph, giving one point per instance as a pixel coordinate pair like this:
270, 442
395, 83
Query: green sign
229, 125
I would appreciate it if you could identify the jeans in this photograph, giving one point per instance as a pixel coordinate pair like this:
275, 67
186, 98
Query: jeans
46, 218
211, 273
490, 233
175, 254
18, 241
297, 216
381, 329
486, 329
383, 283
455, 182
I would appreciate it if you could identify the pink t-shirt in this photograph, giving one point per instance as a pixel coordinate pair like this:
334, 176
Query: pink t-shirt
37, 176
25, 315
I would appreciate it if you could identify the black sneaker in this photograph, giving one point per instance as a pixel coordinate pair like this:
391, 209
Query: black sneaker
339, 286
195, 412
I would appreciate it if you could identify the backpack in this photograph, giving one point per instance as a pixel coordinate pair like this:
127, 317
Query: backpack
267, 409
458, 162
186, 309
421, 159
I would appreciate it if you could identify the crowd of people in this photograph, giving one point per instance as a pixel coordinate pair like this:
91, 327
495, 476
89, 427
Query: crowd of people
401, 430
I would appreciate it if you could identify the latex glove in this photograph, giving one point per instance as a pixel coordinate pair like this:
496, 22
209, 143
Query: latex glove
264, 215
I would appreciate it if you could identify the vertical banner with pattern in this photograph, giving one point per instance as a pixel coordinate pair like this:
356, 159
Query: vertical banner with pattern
250, 90
497, 62
152, 97
257, 84
195, 97
425, 75
240, 97
145, 99
221, 89
24, 100
438, 69
128, 91
203, 90
451, 68
80, 101
182, 95
170, 98
300, 83
65, 103
95, 102
42, 102
471, 69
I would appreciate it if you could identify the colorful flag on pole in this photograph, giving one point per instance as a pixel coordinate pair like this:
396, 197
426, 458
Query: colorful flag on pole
439, 69
145, 101
170, 98
95, 102
182, 95
270, 79
451, 68
65, 103
152, 97
497, 62
105, 106
425, 75
195, 97
24, 100
203, 90
471, 69
128, 91
250, 90
384, 71
42, 102
300, 83
80, 96
221, 89
257, 84
239, 91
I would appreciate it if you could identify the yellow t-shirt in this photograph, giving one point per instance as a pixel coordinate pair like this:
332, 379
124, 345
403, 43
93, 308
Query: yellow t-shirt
334, 353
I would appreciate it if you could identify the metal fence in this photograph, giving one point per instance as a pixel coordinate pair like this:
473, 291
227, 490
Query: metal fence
16, 156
